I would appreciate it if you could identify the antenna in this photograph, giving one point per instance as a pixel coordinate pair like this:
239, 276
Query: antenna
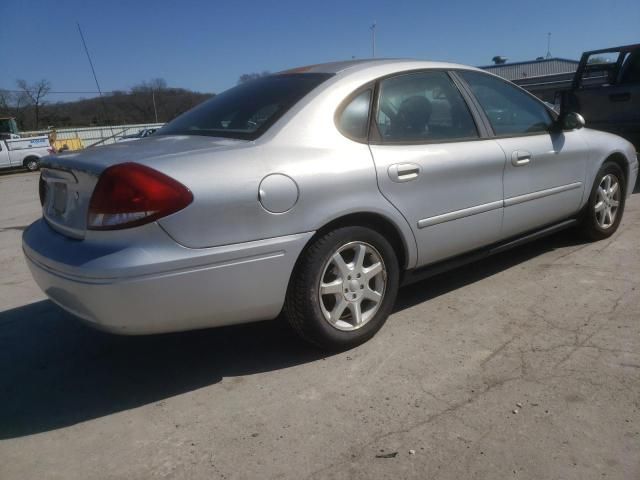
95, 77
548, 45
373, 39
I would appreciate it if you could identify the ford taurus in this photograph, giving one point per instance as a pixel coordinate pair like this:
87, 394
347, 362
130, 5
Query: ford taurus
314, 193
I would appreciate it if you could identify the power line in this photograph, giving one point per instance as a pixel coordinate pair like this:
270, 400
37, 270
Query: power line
64, 92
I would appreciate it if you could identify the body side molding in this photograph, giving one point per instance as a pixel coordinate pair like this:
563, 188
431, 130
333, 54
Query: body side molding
527, 197
487, 207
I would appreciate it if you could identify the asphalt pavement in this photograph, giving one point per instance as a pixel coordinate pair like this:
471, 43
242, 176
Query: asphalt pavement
525, 365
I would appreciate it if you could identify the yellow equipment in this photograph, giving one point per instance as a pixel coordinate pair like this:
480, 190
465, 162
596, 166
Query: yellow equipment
64, 144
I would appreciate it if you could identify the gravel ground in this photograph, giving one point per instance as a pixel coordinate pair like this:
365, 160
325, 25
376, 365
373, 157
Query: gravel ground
525, 365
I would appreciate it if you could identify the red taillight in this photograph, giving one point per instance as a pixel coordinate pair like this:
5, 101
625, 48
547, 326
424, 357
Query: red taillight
130, 194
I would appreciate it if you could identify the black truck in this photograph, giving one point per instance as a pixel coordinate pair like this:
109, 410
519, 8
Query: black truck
606, 91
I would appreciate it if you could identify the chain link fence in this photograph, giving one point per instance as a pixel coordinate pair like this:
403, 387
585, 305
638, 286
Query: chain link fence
89, 136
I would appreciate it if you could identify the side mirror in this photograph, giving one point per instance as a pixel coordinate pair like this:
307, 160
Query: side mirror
572, 121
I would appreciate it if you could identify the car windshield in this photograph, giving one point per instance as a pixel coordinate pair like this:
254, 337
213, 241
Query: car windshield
247, 110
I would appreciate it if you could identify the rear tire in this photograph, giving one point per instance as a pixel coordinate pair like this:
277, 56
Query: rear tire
343, 288
605, 207
32, 164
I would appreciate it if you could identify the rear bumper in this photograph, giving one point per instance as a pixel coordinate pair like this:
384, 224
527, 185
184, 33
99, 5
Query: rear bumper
160, 286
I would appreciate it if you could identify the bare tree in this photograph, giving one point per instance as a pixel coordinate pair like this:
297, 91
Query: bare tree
155, 84
35, 93
158, 84
146, 97
13, 104
246, 77
6, 98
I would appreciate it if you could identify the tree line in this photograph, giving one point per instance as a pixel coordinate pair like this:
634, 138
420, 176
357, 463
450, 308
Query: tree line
147, 102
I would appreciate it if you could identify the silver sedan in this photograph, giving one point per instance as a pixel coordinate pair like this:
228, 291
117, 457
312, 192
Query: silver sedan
315, 193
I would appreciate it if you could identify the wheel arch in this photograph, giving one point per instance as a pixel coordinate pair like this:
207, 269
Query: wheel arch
26, 159
378, 222
619, 159
590, 226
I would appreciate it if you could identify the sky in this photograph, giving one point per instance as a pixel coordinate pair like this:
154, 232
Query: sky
207, 45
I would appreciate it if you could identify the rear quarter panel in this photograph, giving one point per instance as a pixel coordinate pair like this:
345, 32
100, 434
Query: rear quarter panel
332, 182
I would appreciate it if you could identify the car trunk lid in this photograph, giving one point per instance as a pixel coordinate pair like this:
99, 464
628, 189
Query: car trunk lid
68, 180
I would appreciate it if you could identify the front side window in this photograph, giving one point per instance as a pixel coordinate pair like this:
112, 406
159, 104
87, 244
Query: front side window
509, 110
630, 72
423, 107
354, 119
247, 110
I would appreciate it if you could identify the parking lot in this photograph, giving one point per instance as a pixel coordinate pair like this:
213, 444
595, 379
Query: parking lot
525, 365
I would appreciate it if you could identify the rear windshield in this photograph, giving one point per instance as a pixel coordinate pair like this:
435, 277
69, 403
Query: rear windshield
247, 110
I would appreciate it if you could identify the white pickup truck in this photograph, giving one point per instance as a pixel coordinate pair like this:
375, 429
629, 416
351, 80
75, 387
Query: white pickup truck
24, 152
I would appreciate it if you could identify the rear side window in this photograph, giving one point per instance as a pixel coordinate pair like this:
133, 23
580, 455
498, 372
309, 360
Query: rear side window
423, 107
247, 110
600, 69
509, 110
353, 121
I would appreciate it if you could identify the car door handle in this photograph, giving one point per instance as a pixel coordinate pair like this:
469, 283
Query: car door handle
404, 172
620, 97
520, 158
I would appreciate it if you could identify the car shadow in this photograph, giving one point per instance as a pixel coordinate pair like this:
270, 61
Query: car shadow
15, 170
56, 372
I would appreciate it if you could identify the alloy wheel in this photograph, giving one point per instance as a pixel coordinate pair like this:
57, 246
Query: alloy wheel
607, 201
352, 286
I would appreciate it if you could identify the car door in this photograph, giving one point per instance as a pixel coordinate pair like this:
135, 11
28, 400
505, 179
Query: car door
4, 155
545, 169
628, 98
434, 166
611, 104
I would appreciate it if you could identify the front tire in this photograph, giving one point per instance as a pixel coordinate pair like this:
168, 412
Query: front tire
605, 207
343, 288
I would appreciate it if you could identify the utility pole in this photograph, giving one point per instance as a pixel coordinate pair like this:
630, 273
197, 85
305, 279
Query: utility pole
373, 39
549, 45
153, 97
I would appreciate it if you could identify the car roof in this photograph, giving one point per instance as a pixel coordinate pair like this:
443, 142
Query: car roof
353, 65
